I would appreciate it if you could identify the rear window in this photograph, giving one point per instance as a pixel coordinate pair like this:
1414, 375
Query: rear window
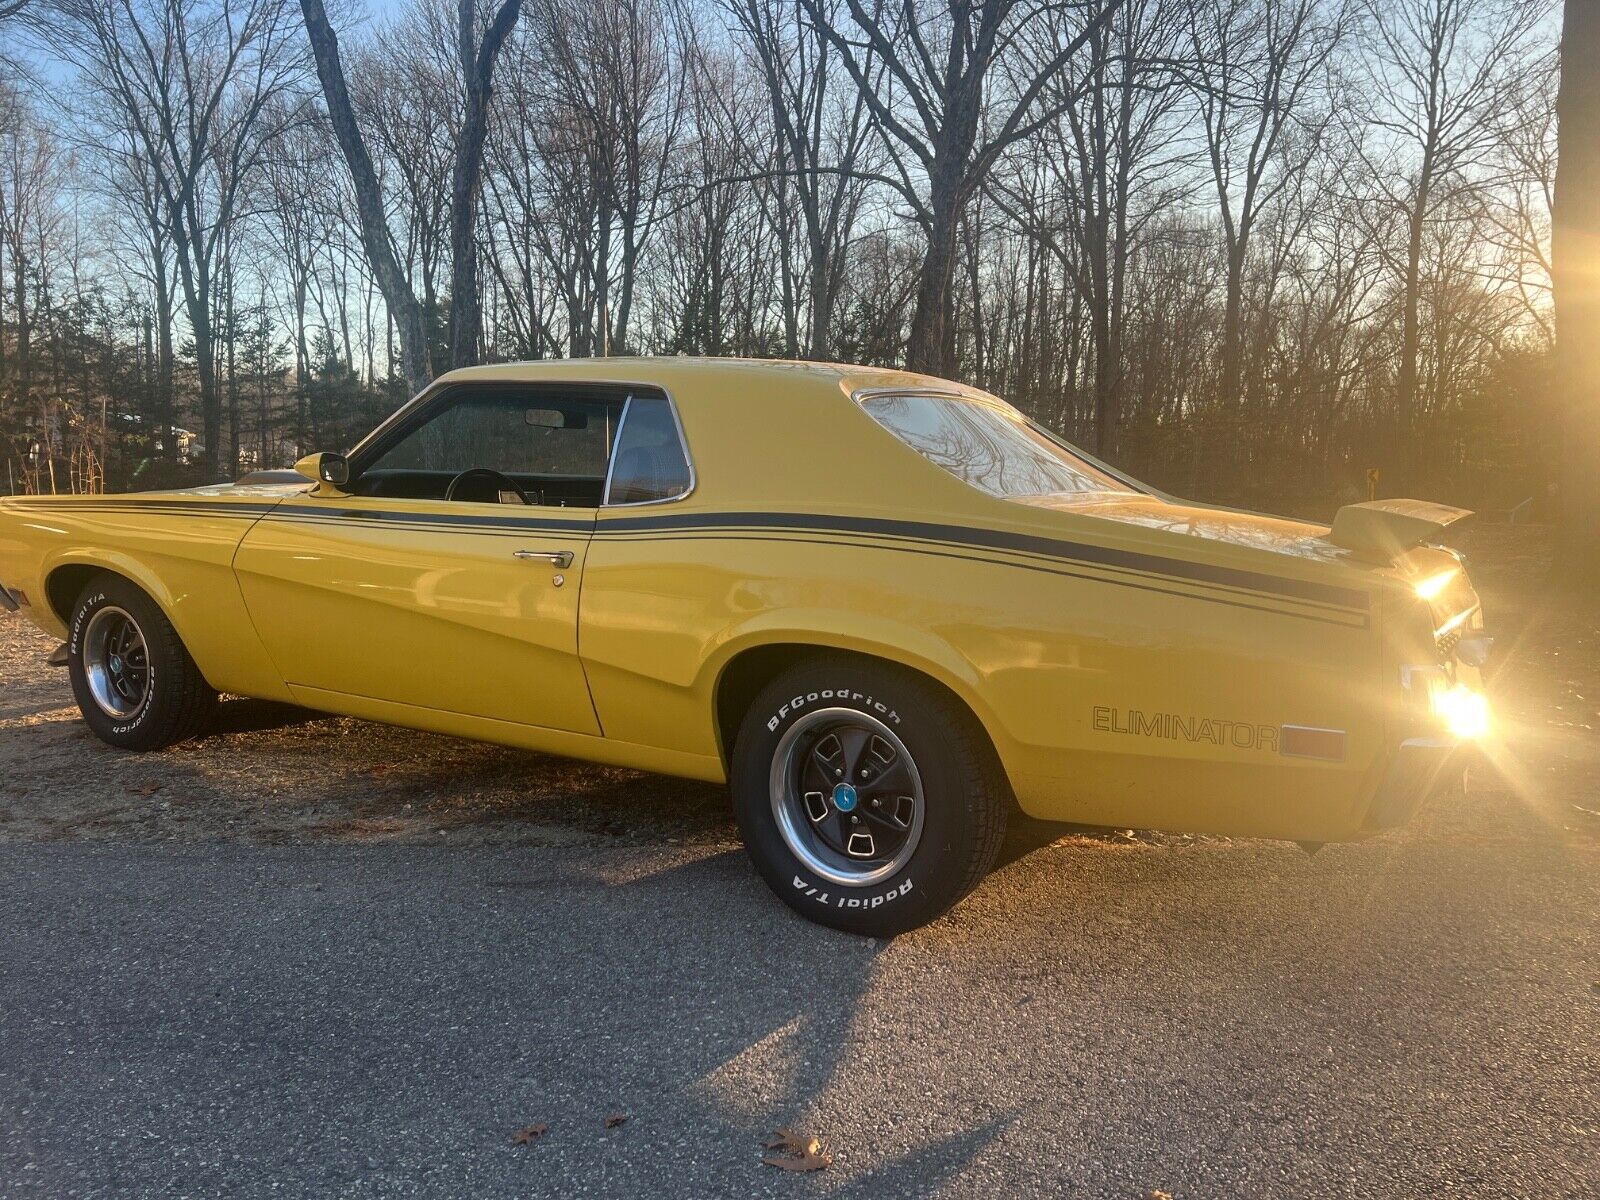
994, 449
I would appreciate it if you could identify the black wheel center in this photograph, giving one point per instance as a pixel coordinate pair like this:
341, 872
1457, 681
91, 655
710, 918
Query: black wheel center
858, 794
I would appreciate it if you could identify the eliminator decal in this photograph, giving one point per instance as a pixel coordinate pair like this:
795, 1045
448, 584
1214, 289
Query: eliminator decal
1217, 732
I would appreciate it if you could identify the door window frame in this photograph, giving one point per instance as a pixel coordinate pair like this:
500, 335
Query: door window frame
413, 416
420, 410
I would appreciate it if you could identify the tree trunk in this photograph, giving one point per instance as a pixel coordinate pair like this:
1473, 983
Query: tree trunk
24, 363
1403, 418
166, 418
1576, 270
1233, 327
397, 294
819, 345
929, 348
192, 270
302, 369
466, 176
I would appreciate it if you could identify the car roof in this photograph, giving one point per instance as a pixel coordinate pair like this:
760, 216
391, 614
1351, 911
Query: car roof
771, 433
667, 370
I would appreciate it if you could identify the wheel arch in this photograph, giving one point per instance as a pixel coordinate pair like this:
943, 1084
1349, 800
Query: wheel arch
65, 579
749, 668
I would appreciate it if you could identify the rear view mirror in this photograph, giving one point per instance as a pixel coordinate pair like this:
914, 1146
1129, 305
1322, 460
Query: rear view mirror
556, 418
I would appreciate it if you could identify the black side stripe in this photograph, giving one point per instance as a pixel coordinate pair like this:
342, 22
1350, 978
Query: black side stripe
1341, 617
465, 521
740, 523
1001, 539
206, 508
369, 521
1030, 561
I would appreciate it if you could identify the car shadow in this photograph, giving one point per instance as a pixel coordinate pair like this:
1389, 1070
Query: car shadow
241, 714
773, 1043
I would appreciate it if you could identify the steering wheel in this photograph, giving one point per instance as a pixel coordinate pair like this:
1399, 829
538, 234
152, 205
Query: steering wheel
504, 483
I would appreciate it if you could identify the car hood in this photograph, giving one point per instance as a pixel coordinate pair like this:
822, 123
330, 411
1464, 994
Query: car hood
1257, 531
242, 491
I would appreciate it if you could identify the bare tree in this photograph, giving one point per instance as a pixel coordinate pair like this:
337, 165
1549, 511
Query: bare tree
822, 139
477, 56
30, 177
375, 236
1436, 76
1088, 183
942, 61
297, 229
189, 81
477, 68
1255, 64
131, 184
616, 99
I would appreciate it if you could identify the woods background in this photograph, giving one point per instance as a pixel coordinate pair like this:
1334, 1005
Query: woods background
1245, 249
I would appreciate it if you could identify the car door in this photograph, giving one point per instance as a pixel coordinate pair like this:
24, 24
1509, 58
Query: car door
387, 590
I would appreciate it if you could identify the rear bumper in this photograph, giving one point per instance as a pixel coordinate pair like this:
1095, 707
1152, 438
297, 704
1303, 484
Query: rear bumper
1420, 767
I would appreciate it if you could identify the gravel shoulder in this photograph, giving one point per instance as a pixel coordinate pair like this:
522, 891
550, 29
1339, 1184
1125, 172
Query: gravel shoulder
273, 773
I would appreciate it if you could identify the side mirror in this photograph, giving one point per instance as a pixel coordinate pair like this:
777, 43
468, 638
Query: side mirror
325, 468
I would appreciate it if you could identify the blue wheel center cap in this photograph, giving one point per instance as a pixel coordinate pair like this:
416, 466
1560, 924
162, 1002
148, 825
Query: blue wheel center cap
844, 797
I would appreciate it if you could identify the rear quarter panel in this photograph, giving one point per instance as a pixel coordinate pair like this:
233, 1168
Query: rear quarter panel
1111, 700
1115, 694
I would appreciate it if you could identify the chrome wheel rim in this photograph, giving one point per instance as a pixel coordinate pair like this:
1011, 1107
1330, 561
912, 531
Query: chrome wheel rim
116, 662
847, 796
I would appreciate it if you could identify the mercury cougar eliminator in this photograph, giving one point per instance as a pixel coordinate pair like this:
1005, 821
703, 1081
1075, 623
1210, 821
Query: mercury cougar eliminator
884, 608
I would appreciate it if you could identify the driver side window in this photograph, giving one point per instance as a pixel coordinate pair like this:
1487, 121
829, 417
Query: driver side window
511, 433
552, 443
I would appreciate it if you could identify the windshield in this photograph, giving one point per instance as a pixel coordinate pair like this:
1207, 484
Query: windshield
994, 448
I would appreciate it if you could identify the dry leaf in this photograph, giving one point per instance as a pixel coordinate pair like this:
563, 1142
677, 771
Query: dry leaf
527, 1133
800, 1162
145, 789
791, 1142
796, 1152
615, 1119
1158, 1194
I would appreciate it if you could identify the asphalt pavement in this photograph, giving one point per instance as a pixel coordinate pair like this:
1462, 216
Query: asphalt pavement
1402, 1018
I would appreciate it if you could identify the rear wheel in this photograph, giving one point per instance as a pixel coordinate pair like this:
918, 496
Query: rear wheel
869, 800
134, 681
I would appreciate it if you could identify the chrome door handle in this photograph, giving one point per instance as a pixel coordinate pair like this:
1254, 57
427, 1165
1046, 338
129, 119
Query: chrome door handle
559, 558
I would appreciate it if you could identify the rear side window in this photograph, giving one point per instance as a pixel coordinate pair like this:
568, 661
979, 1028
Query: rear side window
650, 462
992, 448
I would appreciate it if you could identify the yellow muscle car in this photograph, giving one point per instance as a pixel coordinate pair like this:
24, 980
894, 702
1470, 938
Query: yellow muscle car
884, 608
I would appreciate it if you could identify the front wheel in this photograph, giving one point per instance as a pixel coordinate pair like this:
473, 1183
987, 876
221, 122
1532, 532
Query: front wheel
869, 800
132, 677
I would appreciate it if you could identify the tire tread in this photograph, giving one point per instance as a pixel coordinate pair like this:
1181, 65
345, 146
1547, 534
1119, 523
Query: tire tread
971, 756
189, 702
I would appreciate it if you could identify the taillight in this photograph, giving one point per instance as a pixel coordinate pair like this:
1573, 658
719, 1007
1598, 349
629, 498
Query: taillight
1459, 710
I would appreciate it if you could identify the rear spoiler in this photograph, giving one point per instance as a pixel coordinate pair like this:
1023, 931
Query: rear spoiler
1386, 529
